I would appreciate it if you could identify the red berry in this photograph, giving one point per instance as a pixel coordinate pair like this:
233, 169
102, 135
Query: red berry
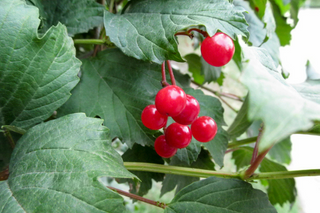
178, 135
152, 119
163, 149
204, 129
190, 112
170, 100
218, 49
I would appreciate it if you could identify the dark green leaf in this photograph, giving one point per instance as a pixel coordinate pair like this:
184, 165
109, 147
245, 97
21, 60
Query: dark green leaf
79, 16
117, 88
36, 74
211, 106
56, 167
279, 190
220, 195
242, 157
171, 181
280, 107
190, 153
5, 151
194, 66
202, 72
142, 154
241, 123
146, 29
281, 152
210, 73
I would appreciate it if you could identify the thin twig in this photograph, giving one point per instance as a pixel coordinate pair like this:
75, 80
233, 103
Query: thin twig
227, 95
4, 174
226, 103
173, 80
256, 146
164, 82
136, 197
9, 138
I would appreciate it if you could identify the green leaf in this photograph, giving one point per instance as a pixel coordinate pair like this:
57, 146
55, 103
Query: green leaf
190, 153
36, 74
241, 123
212, 107
180, 181
146, 28
142, 154
279, 190
262, 32
283, 29
280, 107
281, 152
5, 151
57, 165
79, 16
202, 72
220, 195
210, 73
117, 88
259, 6
194, 66
242, 157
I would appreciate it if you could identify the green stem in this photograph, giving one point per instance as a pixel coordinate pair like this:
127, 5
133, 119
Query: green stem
285, 174
202, 173
176, 170
111, 6
242, 142
90, 41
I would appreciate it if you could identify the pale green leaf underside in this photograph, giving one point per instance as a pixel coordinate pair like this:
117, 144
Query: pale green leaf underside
281, 108
56, 167
222, 196
36, 74
79, 16
146, 29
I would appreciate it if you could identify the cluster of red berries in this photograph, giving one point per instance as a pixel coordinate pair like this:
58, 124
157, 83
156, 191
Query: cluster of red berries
184, 110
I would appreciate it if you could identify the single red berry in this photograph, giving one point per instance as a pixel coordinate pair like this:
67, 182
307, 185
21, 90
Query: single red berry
204, 129
218, 49
190, 112
178, 135
152, 119
162, 148
170, 100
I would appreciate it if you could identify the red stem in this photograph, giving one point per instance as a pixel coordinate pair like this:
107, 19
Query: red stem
256, 149
164, 79
4, 174
204, 33
136, 197
173, 80
255, 164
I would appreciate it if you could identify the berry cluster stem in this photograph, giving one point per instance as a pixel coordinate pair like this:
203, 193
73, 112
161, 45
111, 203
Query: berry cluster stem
136, 197
164, 82
189, 33
173, 80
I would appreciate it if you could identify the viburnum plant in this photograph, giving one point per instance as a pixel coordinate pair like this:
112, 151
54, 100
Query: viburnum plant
85, 105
